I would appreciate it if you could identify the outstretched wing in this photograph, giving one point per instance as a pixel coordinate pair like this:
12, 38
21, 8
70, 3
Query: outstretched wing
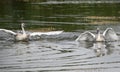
110, 35
46, 33
8, 31
86, 36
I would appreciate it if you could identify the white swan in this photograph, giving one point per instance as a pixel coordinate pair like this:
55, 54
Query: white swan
24, 36
108, 35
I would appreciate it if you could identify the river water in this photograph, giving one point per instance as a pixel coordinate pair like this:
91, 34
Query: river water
59, 53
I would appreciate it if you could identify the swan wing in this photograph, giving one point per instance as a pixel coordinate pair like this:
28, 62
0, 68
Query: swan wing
8, 31
110, 35
86, 36
46, 33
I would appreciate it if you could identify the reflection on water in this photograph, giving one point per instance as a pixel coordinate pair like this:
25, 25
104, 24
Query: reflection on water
100, 48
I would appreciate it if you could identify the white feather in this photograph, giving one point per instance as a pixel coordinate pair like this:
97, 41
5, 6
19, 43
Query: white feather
86, 36
110, 35
8, 31
45, 33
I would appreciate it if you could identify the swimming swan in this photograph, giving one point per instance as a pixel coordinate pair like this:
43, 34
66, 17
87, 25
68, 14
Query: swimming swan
24, 36
108, 35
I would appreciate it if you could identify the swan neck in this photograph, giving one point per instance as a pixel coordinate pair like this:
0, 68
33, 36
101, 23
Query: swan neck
98, 31
23, 30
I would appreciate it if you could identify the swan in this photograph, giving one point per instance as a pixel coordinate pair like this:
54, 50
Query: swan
24, 36
107, 35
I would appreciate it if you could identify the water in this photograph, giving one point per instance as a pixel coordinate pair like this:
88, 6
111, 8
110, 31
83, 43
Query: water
59, 53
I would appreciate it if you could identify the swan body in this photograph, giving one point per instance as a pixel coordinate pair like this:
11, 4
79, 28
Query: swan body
99, 37
20, 37
24, 36
108, 35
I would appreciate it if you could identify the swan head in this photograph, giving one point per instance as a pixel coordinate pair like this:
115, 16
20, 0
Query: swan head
98, 30
22, 24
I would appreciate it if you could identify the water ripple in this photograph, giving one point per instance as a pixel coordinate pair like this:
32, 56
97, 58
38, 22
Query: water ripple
62, 55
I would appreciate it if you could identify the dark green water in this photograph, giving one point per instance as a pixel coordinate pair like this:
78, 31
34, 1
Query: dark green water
58, 15
59, 53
